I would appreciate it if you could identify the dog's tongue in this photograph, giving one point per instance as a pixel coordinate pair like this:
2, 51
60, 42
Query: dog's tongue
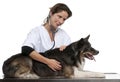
90, 56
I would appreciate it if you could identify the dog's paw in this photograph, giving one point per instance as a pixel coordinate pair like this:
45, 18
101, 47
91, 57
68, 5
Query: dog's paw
96, 75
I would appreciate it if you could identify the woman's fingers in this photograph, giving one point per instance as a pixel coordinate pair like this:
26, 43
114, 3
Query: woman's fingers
54, 65
62, 47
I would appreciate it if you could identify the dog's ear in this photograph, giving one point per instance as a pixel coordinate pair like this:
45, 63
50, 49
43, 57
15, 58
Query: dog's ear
83, 40
86, 39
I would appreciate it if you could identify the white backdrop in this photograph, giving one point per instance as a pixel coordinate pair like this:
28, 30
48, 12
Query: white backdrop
99, 18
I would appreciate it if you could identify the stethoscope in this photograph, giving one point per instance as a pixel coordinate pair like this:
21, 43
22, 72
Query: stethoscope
53, 33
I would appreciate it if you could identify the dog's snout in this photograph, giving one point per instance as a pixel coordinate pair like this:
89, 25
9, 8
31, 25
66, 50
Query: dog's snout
97, 52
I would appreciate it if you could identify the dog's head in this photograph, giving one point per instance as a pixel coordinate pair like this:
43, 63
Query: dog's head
85, 48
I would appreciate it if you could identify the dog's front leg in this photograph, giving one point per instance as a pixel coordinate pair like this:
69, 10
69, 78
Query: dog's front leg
87, 74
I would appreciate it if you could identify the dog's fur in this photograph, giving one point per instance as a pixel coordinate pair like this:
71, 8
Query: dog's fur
19, 66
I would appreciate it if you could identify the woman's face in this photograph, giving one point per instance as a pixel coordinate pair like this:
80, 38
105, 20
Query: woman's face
58, 19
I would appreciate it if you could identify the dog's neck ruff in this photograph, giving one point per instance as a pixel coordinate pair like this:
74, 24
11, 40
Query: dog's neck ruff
80, 65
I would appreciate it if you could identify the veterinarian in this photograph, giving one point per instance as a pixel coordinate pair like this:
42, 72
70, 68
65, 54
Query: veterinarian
48, 36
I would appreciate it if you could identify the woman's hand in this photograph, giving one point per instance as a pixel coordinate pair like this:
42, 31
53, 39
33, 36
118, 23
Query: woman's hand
62, 47
54, 64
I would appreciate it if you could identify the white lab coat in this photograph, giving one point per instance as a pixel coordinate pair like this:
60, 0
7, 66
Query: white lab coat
39, 39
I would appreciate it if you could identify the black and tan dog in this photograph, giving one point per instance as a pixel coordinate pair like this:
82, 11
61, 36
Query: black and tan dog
19, 66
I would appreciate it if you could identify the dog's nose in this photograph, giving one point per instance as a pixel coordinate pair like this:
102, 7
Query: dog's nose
97, 52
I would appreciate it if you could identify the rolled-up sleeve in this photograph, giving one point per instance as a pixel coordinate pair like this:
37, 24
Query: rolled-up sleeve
26, 50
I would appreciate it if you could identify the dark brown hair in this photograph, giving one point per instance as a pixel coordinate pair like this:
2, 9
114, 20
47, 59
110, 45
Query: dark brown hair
60, 7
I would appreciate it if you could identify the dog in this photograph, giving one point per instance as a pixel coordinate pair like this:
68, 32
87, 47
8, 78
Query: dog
20, 66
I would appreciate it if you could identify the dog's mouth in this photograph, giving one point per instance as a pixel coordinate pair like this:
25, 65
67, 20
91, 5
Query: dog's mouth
89, 56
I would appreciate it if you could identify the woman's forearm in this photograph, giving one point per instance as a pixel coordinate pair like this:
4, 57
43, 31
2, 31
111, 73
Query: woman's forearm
37, 56
52, 63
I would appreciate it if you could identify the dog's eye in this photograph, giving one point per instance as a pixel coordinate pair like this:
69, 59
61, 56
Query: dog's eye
86, 49
92, 49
